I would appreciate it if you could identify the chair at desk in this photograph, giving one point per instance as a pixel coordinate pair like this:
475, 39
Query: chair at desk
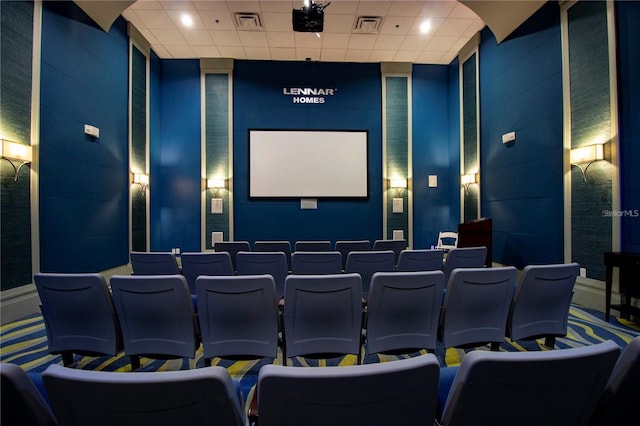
238, 316
395, 245
79, 315
347, 246
468, 257
403, 311
153, 263
391, 393
312, 246
366, 263
558, 387
420, 260
208, 263
258, 263
322, 315
316, 262
156, 315
476, 306
232, 247
196, 397
619, 399
283, 246
21, 401
540, 306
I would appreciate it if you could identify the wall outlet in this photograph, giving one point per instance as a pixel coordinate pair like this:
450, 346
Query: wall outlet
175, 251
583, 272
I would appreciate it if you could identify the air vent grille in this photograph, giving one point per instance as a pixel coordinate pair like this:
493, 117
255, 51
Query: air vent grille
248, 21
367, 25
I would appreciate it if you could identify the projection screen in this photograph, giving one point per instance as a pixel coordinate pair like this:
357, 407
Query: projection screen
308, 164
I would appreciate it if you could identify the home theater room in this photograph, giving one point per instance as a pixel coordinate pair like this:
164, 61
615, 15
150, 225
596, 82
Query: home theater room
310, 212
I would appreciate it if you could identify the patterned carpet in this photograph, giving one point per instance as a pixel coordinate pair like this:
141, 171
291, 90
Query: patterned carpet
24, 343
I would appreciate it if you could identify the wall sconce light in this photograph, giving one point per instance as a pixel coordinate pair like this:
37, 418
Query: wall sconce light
397, 183
585, 156
467, 180
12, 151
142, 180
216, 184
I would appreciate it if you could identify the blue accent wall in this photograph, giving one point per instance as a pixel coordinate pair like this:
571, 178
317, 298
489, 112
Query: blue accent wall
628, 43
435, 148
175, 157
259, 102
84, 193
522, 182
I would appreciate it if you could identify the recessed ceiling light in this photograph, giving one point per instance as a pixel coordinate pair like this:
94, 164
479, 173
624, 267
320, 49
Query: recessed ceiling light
186, 19
425, 26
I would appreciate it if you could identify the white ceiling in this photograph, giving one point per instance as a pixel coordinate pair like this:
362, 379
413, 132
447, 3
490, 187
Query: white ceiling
214, 33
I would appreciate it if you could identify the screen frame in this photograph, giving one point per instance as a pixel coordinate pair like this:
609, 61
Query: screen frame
365, 132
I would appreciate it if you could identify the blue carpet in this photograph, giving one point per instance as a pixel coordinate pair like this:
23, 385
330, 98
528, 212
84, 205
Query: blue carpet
24, 343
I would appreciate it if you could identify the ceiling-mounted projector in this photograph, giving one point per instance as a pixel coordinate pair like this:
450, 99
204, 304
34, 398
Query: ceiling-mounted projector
310, 18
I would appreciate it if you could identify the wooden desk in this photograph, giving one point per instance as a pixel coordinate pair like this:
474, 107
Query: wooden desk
629, 266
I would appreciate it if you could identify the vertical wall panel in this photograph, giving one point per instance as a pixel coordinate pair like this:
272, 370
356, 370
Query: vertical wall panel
397, 152
217, 153
590, 103
16, 41
138, 153
470, 154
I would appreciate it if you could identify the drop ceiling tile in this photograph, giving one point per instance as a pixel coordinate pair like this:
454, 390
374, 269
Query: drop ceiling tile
400, 25
225, 38
378, 55
280, 39
441, 44
217, 20
437, 9
405, 8
177, 5
335, 41
337, 7
388, 42
283, 53
277, 21
333, 55
197, 37
414, 43
362, 41
180, 51
373, 8
309, 40
430, 57
169, 37
253, 38
232, 52
454, 27
462, 11
206, 51
406, 56
339, 24
156, 19
356, 55
302, 53
258, 53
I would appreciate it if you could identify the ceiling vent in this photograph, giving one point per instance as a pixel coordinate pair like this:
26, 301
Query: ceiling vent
248, 21
367, 25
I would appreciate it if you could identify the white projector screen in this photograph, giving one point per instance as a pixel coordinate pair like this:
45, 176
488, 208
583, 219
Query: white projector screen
308, 164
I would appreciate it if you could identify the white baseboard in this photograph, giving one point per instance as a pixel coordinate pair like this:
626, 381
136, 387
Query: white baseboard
19, 302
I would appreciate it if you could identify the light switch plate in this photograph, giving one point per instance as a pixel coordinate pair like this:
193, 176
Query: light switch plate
216, 205
433, 181
398, 205
398, 234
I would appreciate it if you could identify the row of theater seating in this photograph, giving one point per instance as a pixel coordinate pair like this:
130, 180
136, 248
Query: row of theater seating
591, 385
239, 315
278, 264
